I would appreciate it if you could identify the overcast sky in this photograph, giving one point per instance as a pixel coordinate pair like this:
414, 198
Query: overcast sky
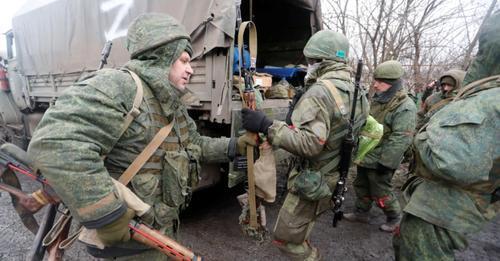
7, 11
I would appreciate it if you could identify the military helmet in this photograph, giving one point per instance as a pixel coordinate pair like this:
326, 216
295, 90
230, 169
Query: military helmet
390, 70
328, 45
149, 31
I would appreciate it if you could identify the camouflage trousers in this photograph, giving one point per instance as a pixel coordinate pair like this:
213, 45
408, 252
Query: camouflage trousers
295, 222
420, 240
375, 186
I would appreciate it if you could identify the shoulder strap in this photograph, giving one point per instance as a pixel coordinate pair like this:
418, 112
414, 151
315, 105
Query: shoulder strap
157, 140
465, 90
439, 105
134, 112
141, 159
336, 97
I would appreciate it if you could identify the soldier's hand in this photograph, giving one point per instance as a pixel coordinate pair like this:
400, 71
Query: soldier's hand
245, 140
255, 121
116, 231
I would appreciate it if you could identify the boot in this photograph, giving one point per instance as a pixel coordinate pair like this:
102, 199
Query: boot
357, 216
298, 252
391, 224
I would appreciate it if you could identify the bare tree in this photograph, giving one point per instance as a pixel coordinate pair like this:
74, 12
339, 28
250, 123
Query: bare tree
426, 36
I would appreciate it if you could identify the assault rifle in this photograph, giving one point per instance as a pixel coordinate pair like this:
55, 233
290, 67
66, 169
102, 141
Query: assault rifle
105, 53
346, 149
139, 231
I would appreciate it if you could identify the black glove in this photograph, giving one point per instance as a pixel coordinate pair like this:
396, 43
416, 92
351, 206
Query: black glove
255, 121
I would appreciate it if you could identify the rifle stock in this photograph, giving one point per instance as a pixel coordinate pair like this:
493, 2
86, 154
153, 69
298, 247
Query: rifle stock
140, 232
160, 242
27, 201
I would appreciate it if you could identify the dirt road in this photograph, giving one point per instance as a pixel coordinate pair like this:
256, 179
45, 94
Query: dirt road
210, 227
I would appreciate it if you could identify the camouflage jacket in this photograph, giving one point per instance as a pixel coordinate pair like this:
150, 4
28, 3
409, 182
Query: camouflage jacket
85, 124
458, 156
399, 119
317, 125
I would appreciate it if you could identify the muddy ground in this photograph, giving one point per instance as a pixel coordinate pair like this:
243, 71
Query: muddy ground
210, 227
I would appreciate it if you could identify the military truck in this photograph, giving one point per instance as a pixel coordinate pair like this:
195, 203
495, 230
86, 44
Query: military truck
53, 43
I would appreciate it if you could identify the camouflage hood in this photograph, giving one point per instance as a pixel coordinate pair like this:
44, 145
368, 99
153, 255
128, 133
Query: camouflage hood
458, 76
155, 42
486, 63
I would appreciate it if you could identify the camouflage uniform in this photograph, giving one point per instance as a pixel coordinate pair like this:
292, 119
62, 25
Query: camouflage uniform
85, 125
458, 155
397, 112
438, 100
315, 136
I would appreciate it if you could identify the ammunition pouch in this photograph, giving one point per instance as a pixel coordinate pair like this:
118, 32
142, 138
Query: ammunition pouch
180, 174
309, 185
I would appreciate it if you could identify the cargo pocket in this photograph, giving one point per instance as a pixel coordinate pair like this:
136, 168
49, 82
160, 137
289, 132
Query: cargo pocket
166, 218
310, 185
146, 187
175, 177
292, 228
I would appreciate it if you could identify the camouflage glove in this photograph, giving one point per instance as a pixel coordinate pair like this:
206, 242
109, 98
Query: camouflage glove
116, 231
255, 121
244, 141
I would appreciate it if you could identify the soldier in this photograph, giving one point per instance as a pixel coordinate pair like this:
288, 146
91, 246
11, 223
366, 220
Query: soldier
393, 108
456, 186
451, 82
80, 143
317, 126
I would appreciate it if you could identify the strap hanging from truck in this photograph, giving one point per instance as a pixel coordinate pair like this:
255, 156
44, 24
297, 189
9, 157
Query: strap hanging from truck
248, 101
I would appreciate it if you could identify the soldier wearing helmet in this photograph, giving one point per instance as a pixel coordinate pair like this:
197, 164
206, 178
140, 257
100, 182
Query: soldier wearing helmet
393, 108
83, 142
313, 134
451, 82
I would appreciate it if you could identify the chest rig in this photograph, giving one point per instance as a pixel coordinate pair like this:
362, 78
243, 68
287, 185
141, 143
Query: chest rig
379, 111
164, 166
329, 158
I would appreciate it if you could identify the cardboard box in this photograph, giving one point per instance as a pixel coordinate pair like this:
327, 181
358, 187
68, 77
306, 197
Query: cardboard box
263, 80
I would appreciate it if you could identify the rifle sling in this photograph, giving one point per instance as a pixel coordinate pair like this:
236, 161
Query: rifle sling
145, 154
157, 140
252, 38
336, 98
